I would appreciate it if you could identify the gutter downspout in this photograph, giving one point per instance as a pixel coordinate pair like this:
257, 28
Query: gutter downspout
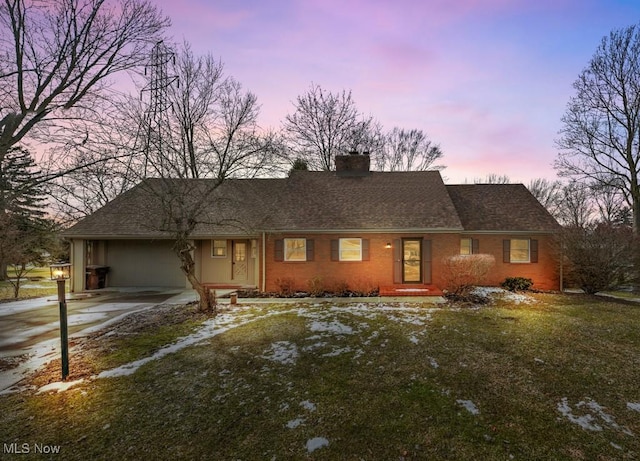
562, 262
264, 263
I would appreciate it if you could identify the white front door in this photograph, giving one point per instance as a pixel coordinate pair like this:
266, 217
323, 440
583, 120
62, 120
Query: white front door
240, 261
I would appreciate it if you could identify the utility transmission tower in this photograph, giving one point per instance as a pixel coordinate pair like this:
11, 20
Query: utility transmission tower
156, 123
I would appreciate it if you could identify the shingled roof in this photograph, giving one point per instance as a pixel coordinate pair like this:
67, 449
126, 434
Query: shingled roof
311, 201
500, 207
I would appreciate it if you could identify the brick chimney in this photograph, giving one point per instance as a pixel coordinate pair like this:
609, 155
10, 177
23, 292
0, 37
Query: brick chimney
353, 164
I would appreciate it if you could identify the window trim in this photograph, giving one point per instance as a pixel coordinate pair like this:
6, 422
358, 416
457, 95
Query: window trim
213, 248
284, 250
340, 249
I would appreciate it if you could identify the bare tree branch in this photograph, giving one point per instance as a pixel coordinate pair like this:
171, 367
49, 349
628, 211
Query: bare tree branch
600, 138
325, 124
408, 150
61, 52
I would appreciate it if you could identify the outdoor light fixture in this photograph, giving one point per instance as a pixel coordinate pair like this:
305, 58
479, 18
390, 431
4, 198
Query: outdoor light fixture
388, 246
61, 273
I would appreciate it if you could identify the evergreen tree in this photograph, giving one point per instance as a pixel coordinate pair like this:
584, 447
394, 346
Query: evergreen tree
25, 233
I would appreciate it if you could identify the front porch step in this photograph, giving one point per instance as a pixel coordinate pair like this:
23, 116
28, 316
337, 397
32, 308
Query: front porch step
410, 290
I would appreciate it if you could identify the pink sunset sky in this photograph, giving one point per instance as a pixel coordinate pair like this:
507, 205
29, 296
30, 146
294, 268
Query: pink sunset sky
488, 80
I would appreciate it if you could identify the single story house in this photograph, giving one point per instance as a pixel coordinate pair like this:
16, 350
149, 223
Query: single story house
350, 227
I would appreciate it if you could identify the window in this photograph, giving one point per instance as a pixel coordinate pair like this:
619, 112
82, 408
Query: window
219, 249
519, 251
295, 249
350, 249
466, 246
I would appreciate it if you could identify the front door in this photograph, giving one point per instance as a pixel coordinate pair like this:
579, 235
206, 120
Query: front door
412, 260
239, 261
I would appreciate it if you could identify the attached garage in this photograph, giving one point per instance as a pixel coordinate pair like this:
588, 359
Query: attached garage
142, 263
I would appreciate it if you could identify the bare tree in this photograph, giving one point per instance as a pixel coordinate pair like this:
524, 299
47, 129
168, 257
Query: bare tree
576, 206
610, 204
204, 126
548, 193
325, 124
57, 58
200, 81
600, 138
493, 178
182, 204
408, 150
98, 179
209, 134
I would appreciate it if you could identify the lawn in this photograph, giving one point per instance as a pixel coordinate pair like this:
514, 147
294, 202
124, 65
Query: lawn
37, 282
538, 377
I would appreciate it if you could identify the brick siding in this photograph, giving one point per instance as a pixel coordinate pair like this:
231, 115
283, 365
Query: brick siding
378, 270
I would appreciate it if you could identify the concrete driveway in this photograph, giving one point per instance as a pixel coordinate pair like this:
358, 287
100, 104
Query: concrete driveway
30, 329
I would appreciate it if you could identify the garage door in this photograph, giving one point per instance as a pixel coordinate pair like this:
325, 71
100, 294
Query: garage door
142, 263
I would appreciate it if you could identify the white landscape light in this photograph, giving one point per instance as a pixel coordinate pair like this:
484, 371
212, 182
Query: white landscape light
60, 273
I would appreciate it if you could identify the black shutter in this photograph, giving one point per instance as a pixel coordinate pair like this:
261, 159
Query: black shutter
310, 249
365, 249
506, 251
475, 246
335, 250
426, 260
533, 251
397, 261
279, 250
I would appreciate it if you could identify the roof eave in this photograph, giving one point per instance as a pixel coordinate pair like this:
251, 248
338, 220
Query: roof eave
408, 230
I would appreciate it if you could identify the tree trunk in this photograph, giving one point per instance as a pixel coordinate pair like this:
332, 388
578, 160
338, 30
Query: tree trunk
3, 271
635, 208
183, 249
16, 288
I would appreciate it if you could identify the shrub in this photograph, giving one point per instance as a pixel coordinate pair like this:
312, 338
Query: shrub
462, 272
365, 287
285, 286
600, 257
316, 286
341, 288
517, 284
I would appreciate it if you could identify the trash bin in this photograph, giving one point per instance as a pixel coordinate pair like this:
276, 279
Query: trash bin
96, 277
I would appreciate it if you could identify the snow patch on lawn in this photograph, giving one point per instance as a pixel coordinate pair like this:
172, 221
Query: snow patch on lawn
314, 346
594, 417
516, 298
59, 386
633, 406
322, 321
333, 326
469, 406
282, 352
410, 319
316, 443
210, 328
336, 351
294, 423
307, 405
